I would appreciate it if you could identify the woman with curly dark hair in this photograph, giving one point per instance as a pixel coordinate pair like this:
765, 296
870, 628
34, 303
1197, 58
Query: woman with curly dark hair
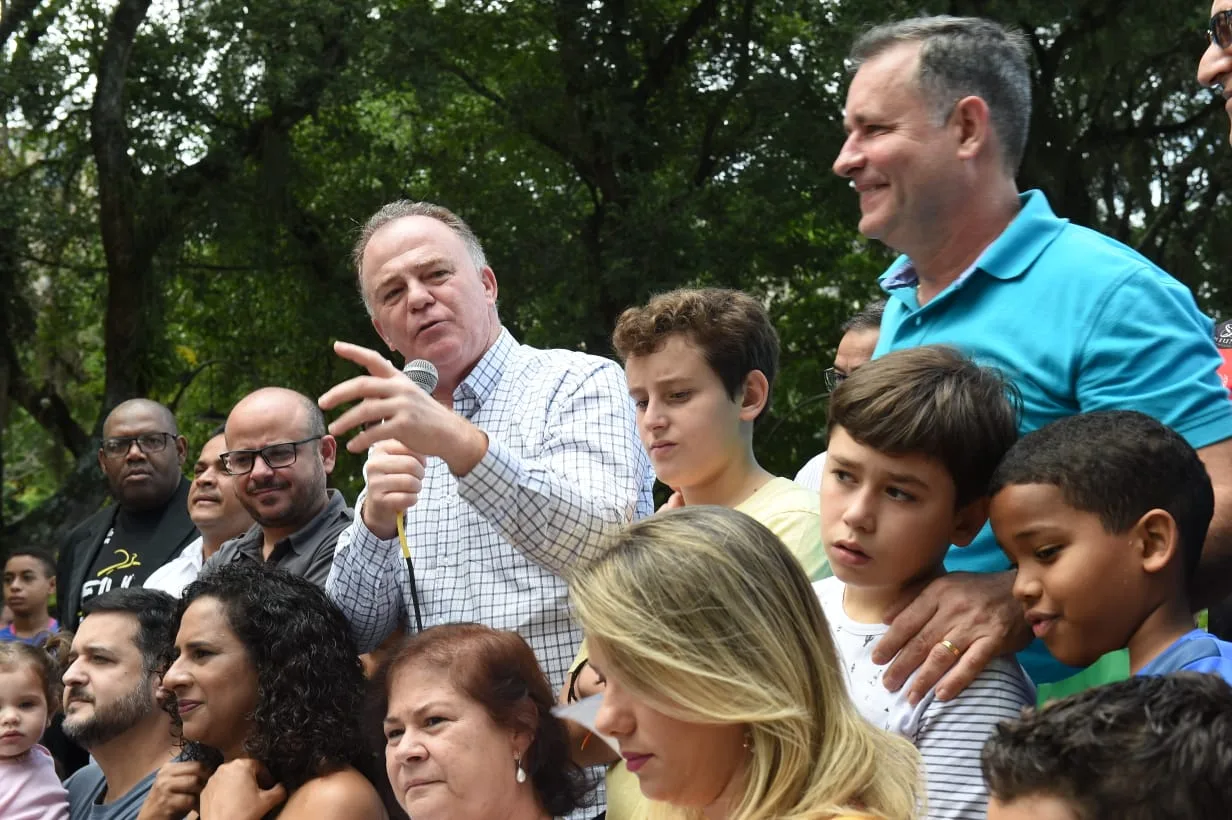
267, 682
469, 729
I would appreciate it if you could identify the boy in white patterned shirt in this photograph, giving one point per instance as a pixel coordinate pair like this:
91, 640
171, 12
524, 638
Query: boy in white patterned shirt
914, 439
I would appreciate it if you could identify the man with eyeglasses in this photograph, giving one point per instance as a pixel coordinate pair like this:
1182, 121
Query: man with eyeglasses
860, 334
122, 545
1215, 67
279, 455
1215, 73
937, 115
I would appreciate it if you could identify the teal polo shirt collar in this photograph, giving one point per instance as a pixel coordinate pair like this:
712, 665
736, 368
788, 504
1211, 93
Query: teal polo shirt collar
1008, 257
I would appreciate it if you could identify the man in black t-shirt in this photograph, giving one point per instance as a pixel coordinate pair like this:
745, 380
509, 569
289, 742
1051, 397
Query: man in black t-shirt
121, 545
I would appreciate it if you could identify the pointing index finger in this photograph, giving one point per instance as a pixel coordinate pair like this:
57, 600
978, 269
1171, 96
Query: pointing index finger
366, 357
377, 365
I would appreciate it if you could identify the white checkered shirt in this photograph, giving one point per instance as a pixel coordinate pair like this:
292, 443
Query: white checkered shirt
564, 468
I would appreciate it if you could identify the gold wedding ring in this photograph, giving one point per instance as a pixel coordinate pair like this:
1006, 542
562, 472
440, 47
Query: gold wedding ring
951, 648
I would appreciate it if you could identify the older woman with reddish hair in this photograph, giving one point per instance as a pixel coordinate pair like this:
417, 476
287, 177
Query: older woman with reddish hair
469, 729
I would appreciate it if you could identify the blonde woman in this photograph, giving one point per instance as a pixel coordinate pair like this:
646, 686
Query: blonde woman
722, 685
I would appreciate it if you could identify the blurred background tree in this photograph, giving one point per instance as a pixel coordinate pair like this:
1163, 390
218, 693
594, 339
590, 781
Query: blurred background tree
180, 184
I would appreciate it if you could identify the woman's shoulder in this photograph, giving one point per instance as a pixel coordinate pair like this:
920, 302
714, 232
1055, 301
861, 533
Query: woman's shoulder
344, 793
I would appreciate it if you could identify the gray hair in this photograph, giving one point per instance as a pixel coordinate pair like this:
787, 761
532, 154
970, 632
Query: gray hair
963, 57
869, 317
406, 207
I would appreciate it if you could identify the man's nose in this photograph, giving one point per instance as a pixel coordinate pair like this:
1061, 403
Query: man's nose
1214, 63
849, 157
418, 295
73, 675
260, 467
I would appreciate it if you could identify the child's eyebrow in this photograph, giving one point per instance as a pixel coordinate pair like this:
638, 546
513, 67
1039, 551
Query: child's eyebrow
672, 378
907, 478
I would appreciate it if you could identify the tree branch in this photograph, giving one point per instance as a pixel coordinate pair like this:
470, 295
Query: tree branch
586, 169
1146, 130
126, 319
674, 52
43, 403
708, 163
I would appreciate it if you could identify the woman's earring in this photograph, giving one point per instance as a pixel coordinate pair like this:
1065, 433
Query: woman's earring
521, 773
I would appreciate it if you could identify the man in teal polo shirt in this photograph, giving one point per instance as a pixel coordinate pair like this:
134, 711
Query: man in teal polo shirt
937, 117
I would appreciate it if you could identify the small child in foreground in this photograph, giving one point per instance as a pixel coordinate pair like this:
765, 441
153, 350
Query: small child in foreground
29, 695
1104, 515
1148, 748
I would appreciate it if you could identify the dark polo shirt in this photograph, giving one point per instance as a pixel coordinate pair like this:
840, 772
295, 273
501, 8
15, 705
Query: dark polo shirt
308, 553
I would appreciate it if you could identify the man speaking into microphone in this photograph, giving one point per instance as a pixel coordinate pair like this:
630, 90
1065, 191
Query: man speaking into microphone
515, 467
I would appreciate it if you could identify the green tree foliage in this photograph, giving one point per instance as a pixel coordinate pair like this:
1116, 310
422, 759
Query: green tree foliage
182, 183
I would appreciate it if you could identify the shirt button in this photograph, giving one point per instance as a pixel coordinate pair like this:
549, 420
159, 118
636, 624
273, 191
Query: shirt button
917, 321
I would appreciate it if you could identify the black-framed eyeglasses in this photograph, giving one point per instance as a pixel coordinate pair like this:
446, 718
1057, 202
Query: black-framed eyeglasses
241, 462
146, 442
1219, 30
834, 377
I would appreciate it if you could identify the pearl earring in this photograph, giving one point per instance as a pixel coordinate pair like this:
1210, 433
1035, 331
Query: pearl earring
521, 773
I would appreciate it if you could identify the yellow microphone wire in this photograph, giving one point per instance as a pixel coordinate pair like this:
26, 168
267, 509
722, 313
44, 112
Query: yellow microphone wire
406, 550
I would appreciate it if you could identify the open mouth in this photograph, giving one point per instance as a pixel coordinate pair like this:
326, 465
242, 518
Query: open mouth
429, 326
846, 552
1041, 625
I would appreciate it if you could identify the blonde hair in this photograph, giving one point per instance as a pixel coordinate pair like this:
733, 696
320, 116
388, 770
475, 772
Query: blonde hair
703, 613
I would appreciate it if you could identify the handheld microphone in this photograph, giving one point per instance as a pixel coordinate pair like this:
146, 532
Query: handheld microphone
423, 373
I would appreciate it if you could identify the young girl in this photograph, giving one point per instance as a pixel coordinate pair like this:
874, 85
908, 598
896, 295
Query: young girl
29, 692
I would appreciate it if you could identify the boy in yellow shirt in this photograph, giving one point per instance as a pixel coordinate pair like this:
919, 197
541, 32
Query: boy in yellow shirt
701, 365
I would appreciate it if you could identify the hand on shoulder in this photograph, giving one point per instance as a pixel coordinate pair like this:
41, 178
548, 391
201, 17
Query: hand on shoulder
234, 792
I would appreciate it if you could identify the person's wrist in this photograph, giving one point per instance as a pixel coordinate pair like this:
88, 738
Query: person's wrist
382, 526
466, 450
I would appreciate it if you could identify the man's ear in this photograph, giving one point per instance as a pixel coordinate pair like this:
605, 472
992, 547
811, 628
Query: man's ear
971, 118
51, 586
968, 521
376, 325
490, 289
1157, 540
329, 452
754, 396
181, 449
